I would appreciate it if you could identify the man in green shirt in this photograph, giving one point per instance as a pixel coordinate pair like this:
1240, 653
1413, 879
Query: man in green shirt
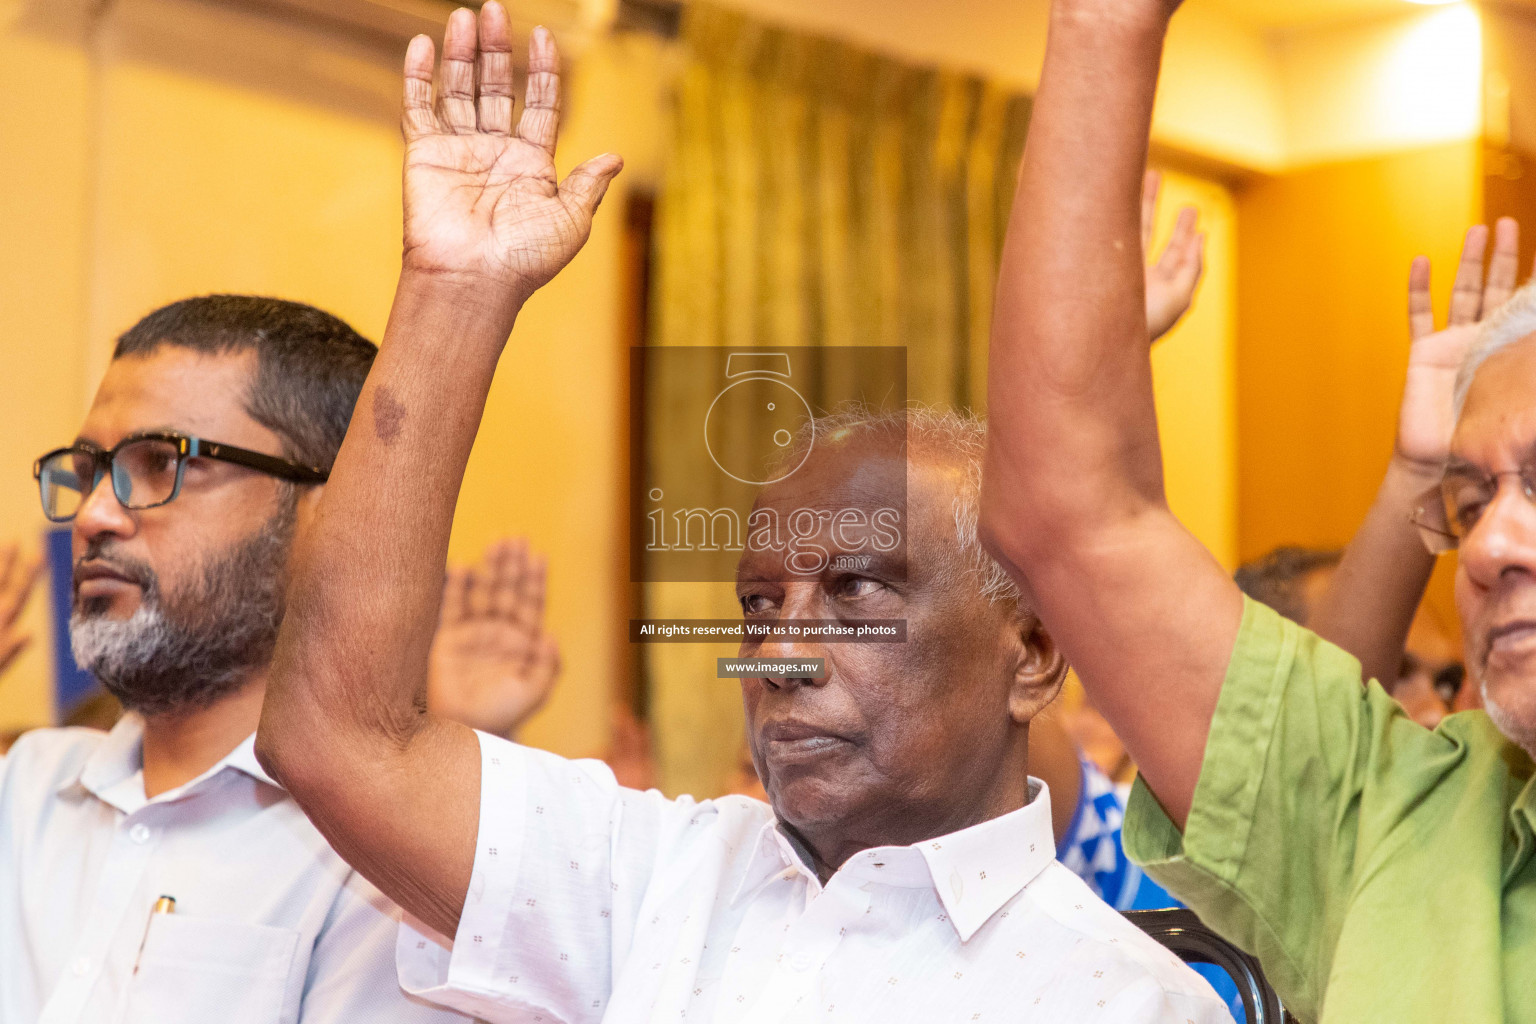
1379, 870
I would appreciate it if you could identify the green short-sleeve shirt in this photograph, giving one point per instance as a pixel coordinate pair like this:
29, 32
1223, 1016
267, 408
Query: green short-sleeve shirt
1379, 871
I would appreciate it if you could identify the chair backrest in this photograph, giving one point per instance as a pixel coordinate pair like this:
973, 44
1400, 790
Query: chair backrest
1191, 941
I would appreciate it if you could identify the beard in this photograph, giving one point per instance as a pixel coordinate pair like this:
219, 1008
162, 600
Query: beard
187, 650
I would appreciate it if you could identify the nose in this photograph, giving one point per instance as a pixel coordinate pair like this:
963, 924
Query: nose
101, 514
801, 602
1504, 539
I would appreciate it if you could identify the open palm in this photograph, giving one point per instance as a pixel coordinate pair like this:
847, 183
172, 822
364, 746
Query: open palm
1427, 418
492, 665
482, 200
1172, 278
18, 575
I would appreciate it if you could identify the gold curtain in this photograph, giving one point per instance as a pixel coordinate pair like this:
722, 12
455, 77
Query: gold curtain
816, 195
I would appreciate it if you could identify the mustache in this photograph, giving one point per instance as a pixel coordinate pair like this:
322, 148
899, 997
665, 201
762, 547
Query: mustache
101, 552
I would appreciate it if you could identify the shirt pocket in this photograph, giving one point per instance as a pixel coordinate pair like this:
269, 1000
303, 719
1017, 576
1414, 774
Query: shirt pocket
197, 970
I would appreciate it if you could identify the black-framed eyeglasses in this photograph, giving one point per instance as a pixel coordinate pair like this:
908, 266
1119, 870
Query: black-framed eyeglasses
146, 470
1447, 514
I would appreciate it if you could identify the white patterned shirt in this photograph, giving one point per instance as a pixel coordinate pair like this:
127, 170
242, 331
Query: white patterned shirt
590, 902
270, 925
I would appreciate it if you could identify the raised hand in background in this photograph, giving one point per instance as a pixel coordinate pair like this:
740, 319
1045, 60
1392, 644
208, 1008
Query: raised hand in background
1427, 417
18, 576
1173, 278
492, 664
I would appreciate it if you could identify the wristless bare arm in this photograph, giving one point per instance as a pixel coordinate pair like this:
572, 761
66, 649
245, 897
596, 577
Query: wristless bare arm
345, 727
1073, 502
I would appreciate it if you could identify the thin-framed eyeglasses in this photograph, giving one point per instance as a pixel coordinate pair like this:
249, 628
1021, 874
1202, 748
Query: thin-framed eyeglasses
146, 470
1452, 510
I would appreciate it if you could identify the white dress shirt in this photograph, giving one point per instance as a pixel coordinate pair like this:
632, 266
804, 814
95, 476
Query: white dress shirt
270, 925
590, 902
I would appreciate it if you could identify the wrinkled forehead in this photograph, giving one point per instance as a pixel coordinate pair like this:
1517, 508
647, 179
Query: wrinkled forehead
1497, 428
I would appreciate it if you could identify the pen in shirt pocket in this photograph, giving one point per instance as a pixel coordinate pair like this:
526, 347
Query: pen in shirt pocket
163, 905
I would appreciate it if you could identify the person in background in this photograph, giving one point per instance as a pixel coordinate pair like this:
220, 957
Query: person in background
1429, 683
1290, 579
1297, 811
199, 463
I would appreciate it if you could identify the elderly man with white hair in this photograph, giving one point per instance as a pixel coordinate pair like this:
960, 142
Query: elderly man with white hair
1380, 871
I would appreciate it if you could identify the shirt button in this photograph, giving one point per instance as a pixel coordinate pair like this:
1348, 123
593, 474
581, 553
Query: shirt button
801, 961
82, 966
139, 834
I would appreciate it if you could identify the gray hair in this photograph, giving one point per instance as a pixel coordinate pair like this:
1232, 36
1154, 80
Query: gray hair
958, 438
1514, 321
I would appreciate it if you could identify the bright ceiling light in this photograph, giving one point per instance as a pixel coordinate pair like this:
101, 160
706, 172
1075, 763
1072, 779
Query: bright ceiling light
1433, 3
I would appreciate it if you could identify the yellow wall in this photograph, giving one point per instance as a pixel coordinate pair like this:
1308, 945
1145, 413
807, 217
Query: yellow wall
1384, 161
44, 158
1323, 337
1195, 375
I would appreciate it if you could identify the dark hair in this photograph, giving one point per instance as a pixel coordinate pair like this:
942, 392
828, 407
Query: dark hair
1278, 579
310, 366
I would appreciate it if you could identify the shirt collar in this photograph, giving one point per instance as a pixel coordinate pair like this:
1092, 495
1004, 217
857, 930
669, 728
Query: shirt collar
977, 870
773, 857
973, 872
114, 771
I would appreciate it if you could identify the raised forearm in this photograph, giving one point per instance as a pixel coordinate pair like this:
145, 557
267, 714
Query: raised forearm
345, 727
1072, 496
369, 571
1370, 603
1070, 379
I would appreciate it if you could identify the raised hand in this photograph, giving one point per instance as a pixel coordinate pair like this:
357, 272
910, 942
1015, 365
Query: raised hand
1172, 280
482, 200
1427, 417
492, 666
18, 575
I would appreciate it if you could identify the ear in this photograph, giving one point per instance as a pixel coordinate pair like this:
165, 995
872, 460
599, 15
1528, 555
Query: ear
1040, 671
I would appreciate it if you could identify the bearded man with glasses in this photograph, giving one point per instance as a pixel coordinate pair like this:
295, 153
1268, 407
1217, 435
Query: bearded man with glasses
199, 463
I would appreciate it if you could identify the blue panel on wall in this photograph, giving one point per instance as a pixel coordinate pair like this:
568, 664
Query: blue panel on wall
71, 684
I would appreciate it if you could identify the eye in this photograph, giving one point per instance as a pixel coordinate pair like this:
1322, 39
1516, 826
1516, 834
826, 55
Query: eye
1465, 499
755, 604
1448, 682
1467, 513
852, 587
